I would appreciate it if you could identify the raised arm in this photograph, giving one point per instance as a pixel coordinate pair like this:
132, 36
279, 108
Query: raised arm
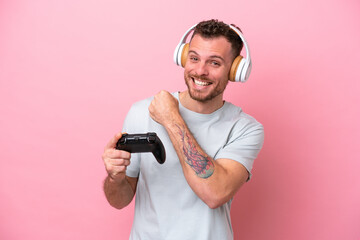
215, 182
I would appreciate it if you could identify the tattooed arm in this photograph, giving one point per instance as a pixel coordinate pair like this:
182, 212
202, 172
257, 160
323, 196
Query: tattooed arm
202, 164
215, 182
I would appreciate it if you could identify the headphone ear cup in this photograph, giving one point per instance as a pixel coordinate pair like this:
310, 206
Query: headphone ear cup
235, 68
244, 70
239, 77
180, 54
184, 54
176, 53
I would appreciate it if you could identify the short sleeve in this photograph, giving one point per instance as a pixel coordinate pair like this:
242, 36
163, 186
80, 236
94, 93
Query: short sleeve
129, 126
244, 143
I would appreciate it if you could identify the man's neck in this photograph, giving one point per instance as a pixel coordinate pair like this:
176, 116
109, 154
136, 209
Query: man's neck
200, 107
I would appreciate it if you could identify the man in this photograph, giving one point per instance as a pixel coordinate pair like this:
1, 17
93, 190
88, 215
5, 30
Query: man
210, 146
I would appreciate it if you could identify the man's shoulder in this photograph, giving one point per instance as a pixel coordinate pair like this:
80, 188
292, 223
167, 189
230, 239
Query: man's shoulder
143, 102
137, 115
242, 118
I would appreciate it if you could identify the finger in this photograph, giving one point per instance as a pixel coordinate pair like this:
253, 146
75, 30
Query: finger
151, 107
111, 162
116, 165
113, 141
119, 162
115, 153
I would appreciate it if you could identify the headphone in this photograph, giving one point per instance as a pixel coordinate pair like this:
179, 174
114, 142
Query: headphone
240, 68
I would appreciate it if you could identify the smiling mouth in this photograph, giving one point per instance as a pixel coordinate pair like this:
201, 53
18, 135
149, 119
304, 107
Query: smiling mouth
200, 83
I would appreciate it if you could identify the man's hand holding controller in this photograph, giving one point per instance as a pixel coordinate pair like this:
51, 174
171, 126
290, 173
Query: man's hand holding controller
116, 161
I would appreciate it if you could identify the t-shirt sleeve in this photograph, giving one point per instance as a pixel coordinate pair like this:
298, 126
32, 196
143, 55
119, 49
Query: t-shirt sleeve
130, 126
244, 144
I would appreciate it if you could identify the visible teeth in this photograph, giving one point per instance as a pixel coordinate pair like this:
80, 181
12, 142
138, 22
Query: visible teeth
200, 83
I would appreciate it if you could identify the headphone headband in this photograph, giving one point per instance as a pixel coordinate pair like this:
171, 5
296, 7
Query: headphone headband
247, 49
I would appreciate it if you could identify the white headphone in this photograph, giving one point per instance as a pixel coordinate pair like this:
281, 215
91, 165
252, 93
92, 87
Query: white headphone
240, 68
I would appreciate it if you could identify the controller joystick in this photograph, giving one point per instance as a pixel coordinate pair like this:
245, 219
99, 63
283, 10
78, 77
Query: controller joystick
138, 143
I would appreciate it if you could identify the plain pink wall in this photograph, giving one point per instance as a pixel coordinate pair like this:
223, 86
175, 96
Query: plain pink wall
69, 71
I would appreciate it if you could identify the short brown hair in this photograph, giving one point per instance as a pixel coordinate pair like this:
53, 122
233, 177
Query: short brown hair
214, 28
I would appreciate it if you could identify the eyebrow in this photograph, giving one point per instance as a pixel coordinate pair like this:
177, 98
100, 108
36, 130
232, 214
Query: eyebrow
212, 56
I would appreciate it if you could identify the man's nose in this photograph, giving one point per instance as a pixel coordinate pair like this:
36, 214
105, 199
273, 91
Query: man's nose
201, 69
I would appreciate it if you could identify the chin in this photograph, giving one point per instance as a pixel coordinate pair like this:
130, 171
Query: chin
201, 97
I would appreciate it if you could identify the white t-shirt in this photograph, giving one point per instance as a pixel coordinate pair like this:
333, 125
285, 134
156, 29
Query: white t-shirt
165, 205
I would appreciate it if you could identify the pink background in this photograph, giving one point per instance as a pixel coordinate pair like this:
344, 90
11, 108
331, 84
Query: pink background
70, 70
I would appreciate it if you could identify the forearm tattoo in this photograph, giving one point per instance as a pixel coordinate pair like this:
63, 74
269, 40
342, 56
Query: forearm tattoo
200, 163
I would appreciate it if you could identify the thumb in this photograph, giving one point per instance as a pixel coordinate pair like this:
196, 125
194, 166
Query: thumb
112, 143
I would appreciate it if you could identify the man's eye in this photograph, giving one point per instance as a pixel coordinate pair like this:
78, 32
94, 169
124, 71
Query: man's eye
215, 63
194, 59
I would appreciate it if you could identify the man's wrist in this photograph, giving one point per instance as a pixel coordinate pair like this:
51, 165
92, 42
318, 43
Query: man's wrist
176, 121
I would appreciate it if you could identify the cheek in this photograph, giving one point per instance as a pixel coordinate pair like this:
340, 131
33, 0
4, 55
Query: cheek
186, 74
226, 73
188, 69
221, 74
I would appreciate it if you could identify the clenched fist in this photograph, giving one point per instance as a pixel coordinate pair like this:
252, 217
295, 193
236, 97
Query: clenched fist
164, 108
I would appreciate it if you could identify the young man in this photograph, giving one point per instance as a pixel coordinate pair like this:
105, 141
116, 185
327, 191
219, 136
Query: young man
210, 146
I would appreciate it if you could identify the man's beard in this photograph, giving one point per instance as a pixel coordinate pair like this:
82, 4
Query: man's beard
196, 95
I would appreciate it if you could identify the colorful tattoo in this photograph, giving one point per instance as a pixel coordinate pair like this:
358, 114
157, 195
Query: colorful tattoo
201, 164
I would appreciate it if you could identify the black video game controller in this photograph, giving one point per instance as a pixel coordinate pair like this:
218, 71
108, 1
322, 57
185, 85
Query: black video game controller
138, 143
